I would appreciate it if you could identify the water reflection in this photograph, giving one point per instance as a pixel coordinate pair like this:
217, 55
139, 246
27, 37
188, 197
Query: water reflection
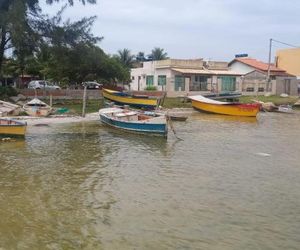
224, 118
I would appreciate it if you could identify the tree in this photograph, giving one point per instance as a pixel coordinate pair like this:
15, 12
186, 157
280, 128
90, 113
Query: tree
125, 57
22, 26
140, 57
158, 54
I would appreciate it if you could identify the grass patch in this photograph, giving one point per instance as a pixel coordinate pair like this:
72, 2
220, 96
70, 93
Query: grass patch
75, 106
277, 100
176, 102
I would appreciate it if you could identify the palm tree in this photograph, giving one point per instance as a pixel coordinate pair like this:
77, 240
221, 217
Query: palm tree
158, 54
140, 57
125, 57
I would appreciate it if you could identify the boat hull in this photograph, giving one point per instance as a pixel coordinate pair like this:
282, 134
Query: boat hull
17, 130
37, 111
160, 129
147, 103
249, 110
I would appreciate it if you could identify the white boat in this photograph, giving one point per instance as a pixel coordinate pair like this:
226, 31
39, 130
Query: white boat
285, 109
7, 108
135, 121
36, 107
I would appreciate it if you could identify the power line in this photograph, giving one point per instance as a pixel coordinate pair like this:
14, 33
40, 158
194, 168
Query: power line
286, 43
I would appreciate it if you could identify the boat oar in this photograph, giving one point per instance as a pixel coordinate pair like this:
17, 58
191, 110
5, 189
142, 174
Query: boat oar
172, 127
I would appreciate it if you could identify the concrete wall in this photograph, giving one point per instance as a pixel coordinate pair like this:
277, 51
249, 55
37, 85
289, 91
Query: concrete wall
281, 86
289, 60
180, 63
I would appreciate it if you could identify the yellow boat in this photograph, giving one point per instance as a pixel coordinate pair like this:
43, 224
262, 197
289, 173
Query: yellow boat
12, 128
121, 98
200, 102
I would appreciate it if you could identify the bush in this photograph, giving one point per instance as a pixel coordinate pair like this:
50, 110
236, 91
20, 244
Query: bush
7, 91
151, 88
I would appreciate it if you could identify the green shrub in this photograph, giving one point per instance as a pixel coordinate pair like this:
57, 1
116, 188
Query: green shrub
7, 91
151, 88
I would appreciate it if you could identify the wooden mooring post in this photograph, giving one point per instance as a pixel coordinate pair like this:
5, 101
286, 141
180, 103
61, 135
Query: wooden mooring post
84, 102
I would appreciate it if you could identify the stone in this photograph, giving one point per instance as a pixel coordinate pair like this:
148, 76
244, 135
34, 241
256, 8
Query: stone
22, 97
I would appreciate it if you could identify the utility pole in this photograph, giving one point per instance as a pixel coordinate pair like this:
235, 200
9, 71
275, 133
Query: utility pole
269, 65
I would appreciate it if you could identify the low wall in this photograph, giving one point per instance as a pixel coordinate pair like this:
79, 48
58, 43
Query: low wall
61, 93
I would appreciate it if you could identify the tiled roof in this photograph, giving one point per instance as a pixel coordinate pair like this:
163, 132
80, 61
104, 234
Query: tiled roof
257, 64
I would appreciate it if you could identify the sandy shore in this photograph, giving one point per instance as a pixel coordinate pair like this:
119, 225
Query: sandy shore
56, 119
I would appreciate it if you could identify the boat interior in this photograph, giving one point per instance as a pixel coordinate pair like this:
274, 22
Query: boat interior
8, 122
130, 116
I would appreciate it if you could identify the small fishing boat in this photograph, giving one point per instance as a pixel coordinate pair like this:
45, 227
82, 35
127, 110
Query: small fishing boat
285, 109
36, 107
179, 118
135, 121
137, 101
202, 103
10, 127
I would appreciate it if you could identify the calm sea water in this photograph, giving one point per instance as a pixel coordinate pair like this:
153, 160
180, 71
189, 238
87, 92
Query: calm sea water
231, 183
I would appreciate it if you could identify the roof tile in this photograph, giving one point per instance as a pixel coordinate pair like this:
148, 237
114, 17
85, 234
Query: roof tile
258, 64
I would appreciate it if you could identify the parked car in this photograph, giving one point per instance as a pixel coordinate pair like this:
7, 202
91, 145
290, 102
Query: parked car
41, 84
92, 85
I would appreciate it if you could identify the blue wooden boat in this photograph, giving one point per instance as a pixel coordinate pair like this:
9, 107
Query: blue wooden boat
135, 121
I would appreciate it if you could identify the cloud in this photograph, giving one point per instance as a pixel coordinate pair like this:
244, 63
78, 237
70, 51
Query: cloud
192, 28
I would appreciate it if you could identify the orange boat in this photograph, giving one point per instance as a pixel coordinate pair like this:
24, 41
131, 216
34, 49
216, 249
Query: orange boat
200, 102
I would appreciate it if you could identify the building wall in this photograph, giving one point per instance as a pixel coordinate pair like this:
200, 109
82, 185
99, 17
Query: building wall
181, 63
254, 82
241, 68
289, 60
281, 88
149, 68
168, 68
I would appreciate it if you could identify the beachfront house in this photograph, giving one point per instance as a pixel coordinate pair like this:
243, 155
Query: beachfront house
180, 77
254, 78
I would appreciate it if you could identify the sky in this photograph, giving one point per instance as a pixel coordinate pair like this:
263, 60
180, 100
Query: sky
190, 29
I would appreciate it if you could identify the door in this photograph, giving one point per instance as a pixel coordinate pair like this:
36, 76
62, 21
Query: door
287, 86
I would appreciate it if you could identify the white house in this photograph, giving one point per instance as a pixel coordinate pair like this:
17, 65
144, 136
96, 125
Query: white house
255, 74
184, 77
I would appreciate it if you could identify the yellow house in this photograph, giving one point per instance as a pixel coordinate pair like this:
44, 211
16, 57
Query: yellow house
289, 60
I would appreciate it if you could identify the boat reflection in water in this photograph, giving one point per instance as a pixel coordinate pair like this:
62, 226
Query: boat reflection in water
224, 118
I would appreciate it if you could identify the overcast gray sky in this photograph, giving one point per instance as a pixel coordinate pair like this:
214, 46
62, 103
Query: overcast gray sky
209, 29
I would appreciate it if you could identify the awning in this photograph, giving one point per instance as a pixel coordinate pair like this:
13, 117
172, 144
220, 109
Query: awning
207, 72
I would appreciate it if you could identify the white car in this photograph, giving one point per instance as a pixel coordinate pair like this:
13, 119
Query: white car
41, 84
92, 85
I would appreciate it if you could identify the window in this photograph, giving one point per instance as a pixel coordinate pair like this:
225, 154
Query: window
149, 80
161, 81
132, 78
261, 89
200, 83
179, 83
250, 89
228, 83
